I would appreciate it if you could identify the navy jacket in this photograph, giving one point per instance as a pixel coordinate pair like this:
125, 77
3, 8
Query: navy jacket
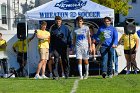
60, 37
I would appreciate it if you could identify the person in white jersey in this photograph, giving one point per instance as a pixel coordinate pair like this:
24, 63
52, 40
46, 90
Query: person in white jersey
82, 43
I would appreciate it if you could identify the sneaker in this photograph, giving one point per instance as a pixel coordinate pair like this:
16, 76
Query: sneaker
135, 72
5, 75
63, 75
110, 76
86, 76
104, 75
55, 78
81, 78
116, 74
44, 77
37, 77
128, 72
51, 75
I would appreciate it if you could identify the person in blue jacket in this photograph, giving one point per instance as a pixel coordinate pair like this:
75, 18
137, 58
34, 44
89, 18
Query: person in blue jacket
109, 41
138, 33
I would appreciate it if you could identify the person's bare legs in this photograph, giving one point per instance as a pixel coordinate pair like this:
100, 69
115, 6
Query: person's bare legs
50, 65
134, 64
44, 67
93, 51
22, 65
127, 57
39, 66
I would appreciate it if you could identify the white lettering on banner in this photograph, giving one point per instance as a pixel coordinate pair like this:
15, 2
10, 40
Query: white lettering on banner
66, 15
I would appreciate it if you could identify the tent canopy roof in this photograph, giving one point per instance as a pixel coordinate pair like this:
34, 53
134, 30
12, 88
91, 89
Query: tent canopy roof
69, 9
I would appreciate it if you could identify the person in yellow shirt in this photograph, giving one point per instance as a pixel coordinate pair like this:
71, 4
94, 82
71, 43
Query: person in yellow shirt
20, 48
3, 45
43, 46
130, 48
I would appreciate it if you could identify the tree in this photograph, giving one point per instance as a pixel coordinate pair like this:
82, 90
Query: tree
119, 6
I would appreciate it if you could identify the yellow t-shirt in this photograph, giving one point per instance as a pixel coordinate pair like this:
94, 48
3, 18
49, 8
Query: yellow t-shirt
43, 43
133, 38
18, 45
1, 43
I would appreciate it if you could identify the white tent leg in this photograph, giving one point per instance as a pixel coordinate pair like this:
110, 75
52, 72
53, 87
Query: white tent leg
27, 47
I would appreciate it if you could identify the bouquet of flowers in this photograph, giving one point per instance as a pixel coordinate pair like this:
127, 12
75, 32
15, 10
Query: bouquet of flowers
102, 39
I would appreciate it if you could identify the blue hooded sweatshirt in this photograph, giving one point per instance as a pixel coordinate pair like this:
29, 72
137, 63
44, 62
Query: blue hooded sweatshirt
110, 34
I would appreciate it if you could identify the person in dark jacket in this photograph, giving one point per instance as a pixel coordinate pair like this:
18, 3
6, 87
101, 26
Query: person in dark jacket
60, 43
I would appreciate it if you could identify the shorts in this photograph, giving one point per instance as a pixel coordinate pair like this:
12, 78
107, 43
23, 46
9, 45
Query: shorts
21, 57
44, 53
82, 53
131, 51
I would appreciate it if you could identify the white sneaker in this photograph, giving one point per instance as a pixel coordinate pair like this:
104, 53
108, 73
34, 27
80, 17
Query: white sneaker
63, 75
44, 77
116, 74
110, 76
86, 76
37, 77
5, 75
81, 78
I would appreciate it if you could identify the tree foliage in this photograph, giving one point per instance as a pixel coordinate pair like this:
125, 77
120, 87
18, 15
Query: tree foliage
119, 6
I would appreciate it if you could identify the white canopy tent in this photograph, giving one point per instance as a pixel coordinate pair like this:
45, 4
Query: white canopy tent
68, 9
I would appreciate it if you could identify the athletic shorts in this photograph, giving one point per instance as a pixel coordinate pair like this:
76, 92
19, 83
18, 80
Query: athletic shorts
82, 53
44, 53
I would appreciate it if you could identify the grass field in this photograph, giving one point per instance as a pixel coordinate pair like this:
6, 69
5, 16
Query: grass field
95, 84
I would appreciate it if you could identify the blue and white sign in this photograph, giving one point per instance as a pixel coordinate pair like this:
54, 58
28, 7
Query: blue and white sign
69, 9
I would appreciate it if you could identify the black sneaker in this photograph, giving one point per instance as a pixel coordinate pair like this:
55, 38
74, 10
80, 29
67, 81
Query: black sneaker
104, 75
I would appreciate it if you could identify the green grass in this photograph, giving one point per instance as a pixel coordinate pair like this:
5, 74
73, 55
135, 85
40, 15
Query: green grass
119, 84
95, 84
24, 85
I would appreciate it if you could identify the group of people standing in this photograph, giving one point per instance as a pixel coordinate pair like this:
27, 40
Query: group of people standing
57, 43
61, 39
